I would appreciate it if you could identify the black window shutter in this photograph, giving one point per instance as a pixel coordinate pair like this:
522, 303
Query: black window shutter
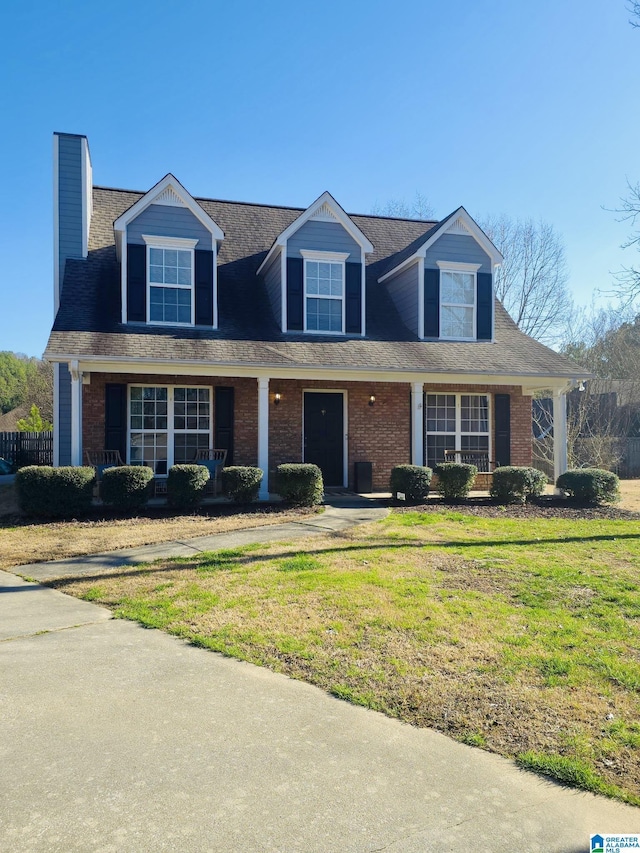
485, 307
432, 303
295, 294
204, 287
503, 429
353, 295
115, 418
136, 283
223, 421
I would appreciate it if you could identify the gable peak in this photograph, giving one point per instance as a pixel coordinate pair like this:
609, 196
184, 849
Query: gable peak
324, 214
459, 226
169, 197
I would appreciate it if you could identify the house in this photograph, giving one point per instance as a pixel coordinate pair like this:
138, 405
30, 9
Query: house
9, 420
281, 334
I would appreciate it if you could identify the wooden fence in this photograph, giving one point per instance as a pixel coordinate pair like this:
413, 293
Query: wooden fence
27, 448
630, 465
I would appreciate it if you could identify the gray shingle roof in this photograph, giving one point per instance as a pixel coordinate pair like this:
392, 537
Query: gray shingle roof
88, 320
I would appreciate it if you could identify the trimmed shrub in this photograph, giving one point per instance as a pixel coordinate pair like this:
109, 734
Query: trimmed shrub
412, 480
513, 484
299, 484
126, 486
55, 492
241, 483
590, 485
455, 480
186, 485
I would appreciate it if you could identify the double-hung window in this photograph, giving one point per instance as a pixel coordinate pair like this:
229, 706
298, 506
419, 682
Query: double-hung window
457, 422
167, 425
458, 289
324, 291
170, 280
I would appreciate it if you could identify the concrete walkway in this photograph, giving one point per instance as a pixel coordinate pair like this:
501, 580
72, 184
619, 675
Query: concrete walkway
124, 740
339, 515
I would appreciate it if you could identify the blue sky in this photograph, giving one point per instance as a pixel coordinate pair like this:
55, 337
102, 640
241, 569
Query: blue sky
501, 106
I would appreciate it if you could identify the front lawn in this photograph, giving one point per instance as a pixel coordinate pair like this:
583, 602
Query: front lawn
518, 635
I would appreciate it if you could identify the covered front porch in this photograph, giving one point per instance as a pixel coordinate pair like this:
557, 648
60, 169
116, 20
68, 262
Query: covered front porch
161, 414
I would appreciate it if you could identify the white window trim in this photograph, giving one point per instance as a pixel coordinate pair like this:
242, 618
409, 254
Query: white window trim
469, 269
182, 244
327, 258
170, 430
458, 431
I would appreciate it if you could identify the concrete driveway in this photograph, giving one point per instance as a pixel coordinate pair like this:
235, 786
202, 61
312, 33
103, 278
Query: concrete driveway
116, 738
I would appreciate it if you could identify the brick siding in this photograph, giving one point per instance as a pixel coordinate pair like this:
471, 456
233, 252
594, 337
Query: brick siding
245, 400
379, 434
370, 436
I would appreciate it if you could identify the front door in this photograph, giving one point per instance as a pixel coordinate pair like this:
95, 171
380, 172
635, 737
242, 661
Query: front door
324, 434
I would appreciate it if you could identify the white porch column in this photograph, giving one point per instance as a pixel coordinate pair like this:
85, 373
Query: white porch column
263, 435
417, 423
559, 433
76, 413
56, 415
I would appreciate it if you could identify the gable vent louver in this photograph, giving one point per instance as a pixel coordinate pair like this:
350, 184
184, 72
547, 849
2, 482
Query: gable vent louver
169, 197
324, 214
458, 227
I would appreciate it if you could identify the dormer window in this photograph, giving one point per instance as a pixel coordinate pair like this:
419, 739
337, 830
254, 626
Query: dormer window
318, 285
454, 298
324, 290
458, 289
170, 280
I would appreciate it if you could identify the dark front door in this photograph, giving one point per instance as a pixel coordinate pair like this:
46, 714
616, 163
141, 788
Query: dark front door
324, 435
223, 438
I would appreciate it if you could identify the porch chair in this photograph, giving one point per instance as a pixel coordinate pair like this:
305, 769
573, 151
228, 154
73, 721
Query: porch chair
479, 458
213, 460
100, 460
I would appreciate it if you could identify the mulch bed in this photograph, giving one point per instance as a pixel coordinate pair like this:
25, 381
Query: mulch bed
546, 507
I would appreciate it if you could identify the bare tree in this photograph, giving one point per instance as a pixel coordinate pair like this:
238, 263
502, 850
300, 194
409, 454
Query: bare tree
532, 282
606, 342
627, 280
419, 208
596, 436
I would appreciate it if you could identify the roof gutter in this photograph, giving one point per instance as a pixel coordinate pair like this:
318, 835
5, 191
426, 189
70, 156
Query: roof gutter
393, 374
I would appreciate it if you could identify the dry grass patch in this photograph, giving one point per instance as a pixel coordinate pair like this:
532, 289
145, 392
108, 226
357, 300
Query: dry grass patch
520, 638
630, 495
23, 542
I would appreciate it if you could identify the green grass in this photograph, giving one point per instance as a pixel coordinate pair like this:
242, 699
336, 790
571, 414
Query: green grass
571, 771
520, 637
